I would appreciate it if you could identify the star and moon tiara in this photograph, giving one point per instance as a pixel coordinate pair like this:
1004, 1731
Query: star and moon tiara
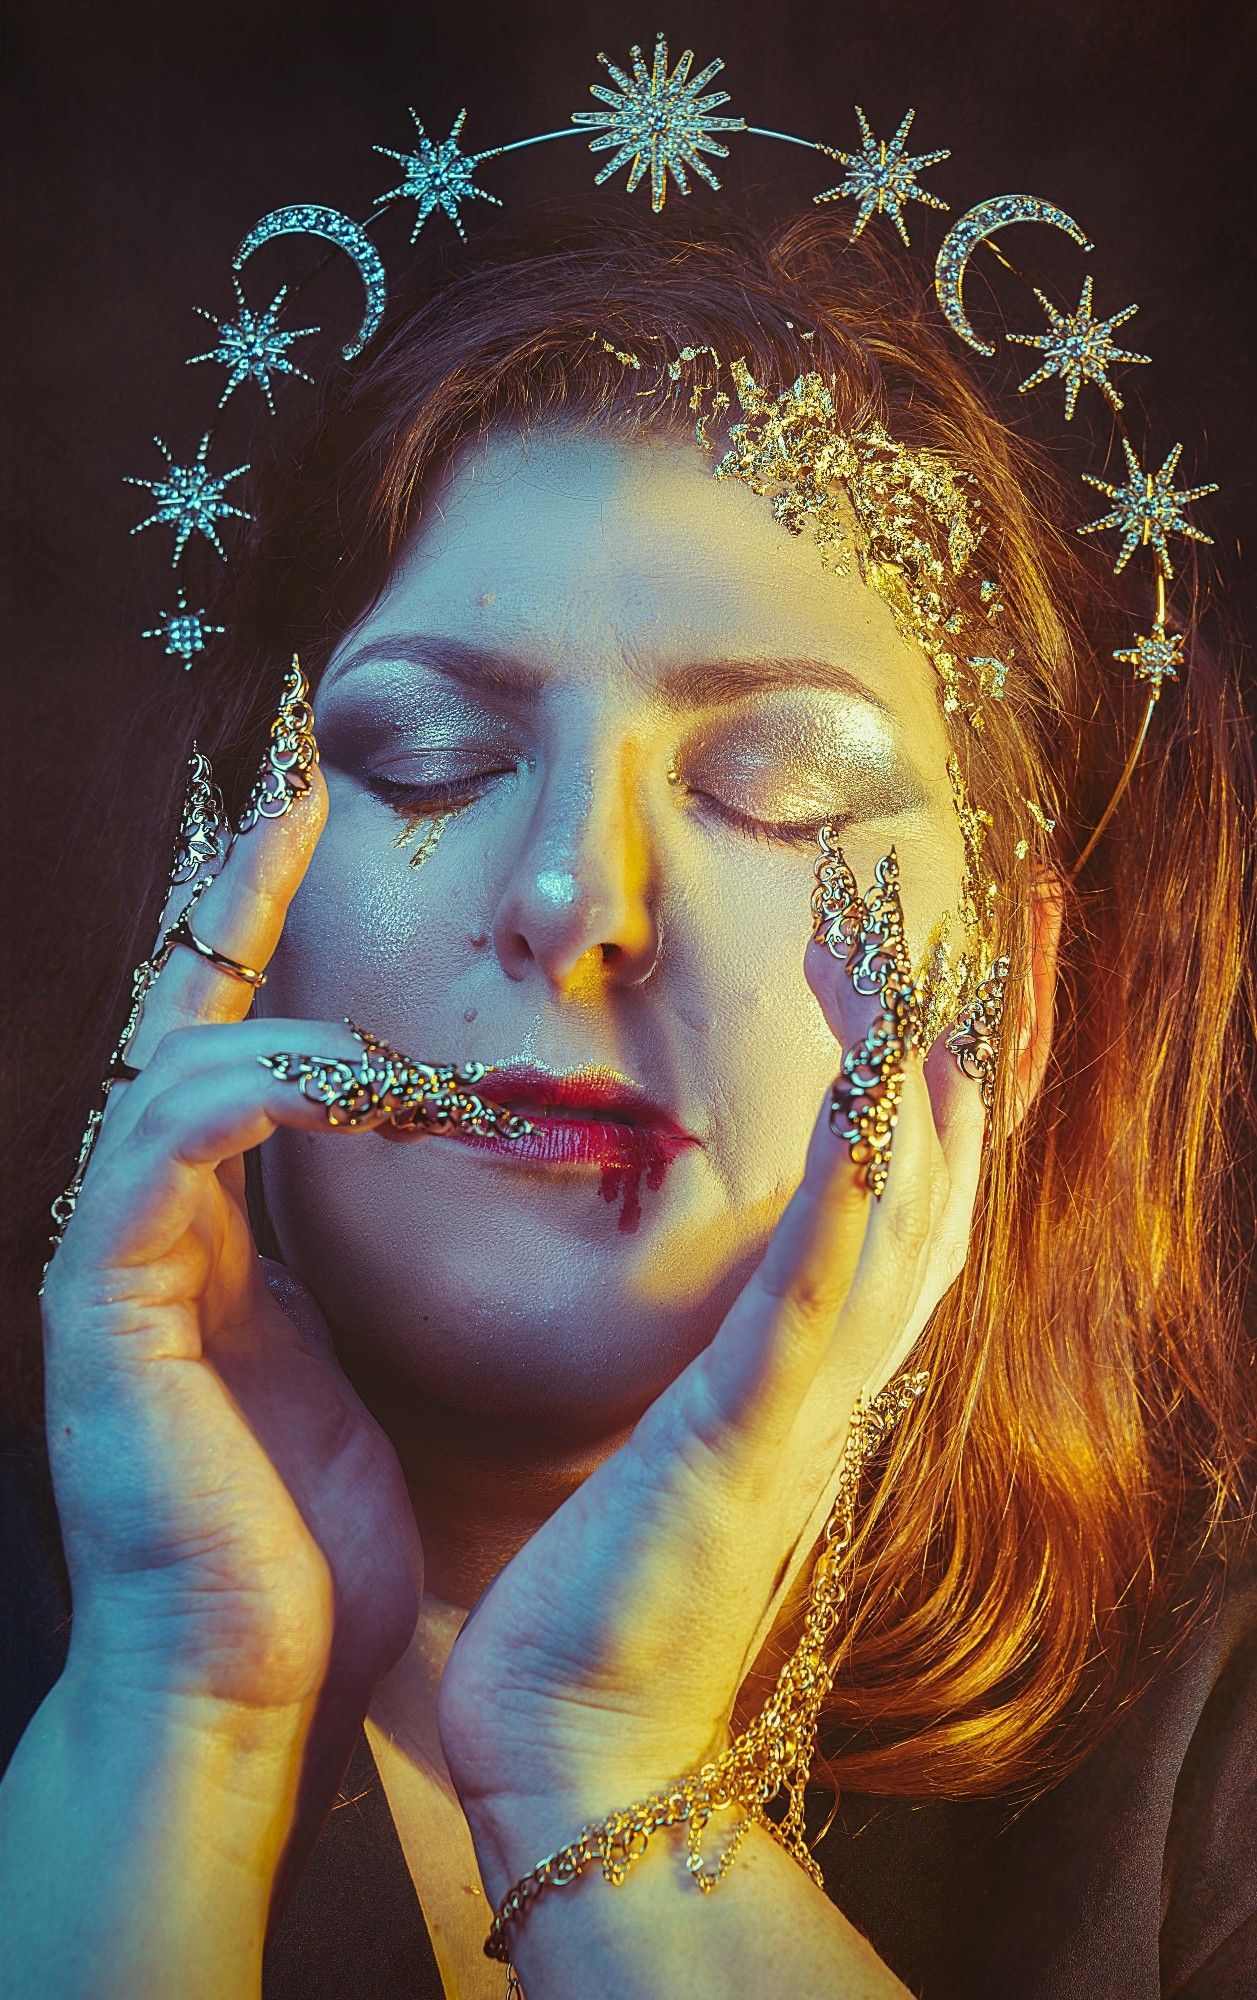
661, 123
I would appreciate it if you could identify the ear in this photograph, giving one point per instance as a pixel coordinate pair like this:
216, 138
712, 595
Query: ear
1033, 1019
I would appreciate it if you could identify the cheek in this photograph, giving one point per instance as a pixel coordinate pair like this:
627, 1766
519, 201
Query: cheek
367, 931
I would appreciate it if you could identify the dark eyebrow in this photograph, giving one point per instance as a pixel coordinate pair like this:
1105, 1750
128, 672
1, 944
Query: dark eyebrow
681, 685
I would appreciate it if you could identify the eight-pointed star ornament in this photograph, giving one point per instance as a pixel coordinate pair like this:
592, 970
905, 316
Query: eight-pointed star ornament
439, 176
189, 500
252, 347
185, 631
1079, 348
882, 176
1148, 509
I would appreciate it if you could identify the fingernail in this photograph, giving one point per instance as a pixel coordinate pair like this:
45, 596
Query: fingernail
203, 827
290, 754
837, 906
881, 951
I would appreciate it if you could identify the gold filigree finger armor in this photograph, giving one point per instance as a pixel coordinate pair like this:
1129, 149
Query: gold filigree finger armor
410, 1095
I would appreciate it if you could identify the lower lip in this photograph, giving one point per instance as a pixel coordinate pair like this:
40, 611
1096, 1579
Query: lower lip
596, 1142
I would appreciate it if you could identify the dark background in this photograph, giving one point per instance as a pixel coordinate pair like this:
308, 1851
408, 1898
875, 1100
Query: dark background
145, 139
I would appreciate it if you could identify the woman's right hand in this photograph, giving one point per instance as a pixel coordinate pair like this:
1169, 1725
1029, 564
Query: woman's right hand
236, 1524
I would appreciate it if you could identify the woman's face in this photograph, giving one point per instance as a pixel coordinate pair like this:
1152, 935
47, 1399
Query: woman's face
578, 617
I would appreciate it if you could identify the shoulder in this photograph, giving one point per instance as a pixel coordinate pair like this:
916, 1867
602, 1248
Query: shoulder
1209, 1895
35, 1628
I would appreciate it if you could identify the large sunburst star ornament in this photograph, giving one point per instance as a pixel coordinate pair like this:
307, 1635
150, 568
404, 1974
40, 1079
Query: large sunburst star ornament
1156, 657
1148, 509
189, 500
252, 347
439, 176
183, 630
658, 121
882, 176
1079, 348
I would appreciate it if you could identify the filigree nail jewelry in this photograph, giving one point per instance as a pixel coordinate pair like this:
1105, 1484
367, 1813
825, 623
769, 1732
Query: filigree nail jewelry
290, 754
864, 1099
837, 905
975, 1042
865, 931
409, 1095
881, 954
202, 831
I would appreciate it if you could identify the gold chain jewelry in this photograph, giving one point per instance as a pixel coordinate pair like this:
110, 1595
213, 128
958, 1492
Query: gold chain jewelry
141, 981
774, 1754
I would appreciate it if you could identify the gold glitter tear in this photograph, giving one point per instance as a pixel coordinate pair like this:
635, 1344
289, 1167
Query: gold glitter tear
427, 846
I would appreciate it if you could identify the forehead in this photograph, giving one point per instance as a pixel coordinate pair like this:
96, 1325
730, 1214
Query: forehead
584, 545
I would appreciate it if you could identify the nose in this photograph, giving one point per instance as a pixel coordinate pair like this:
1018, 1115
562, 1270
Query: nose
578, 902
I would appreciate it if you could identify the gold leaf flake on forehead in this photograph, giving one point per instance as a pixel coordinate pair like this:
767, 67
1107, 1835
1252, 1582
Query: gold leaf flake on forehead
909, 517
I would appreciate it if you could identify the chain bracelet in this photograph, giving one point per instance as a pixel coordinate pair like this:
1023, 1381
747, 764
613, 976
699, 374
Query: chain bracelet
773, 1754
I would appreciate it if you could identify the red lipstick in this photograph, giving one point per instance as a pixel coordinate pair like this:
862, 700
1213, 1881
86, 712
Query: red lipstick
589, 1116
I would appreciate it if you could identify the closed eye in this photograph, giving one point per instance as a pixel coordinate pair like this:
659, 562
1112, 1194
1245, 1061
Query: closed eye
452, 796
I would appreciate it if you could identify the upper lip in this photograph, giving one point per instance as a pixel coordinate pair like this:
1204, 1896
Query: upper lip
589, 1089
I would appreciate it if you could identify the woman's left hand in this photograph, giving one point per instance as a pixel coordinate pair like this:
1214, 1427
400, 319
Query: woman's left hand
605, 1659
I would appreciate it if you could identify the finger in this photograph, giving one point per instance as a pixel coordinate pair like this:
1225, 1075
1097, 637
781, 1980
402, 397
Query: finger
241, 916
145, 1194
186, 1053
863, 1353
757, 1370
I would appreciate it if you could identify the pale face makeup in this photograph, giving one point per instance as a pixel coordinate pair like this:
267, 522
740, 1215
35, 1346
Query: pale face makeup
643, 695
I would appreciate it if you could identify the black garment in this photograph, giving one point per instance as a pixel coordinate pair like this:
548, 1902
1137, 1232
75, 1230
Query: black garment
1134, 1878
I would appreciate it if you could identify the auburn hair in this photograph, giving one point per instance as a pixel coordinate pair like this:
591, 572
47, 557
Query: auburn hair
1057, 1513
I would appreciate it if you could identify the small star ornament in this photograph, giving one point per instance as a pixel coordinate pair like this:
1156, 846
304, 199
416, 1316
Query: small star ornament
1079, 348
658, 121
184, 631
251, 348
883, 178
439, 176
1148, 509
1155, 658
189, 500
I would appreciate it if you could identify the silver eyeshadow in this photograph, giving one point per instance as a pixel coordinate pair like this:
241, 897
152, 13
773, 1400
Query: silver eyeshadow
793, 753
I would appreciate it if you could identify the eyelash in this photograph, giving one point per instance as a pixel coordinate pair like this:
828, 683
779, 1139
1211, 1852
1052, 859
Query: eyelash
412, 800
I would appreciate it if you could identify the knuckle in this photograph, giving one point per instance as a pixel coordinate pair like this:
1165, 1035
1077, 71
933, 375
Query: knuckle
173, 1048
159, 1120
909, 1221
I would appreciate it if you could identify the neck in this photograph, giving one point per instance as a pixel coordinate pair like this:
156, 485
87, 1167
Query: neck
480, 1484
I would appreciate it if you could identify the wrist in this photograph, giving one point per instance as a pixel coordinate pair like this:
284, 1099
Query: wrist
250, 1754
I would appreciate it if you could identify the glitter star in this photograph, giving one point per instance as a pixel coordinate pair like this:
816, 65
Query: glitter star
1148, 509
439, 176
188, 499
252, 346
659, 121
882, 177
184, 631
1155, 658
1079, 348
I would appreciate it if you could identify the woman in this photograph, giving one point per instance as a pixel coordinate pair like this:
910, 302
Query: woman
591, 1381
